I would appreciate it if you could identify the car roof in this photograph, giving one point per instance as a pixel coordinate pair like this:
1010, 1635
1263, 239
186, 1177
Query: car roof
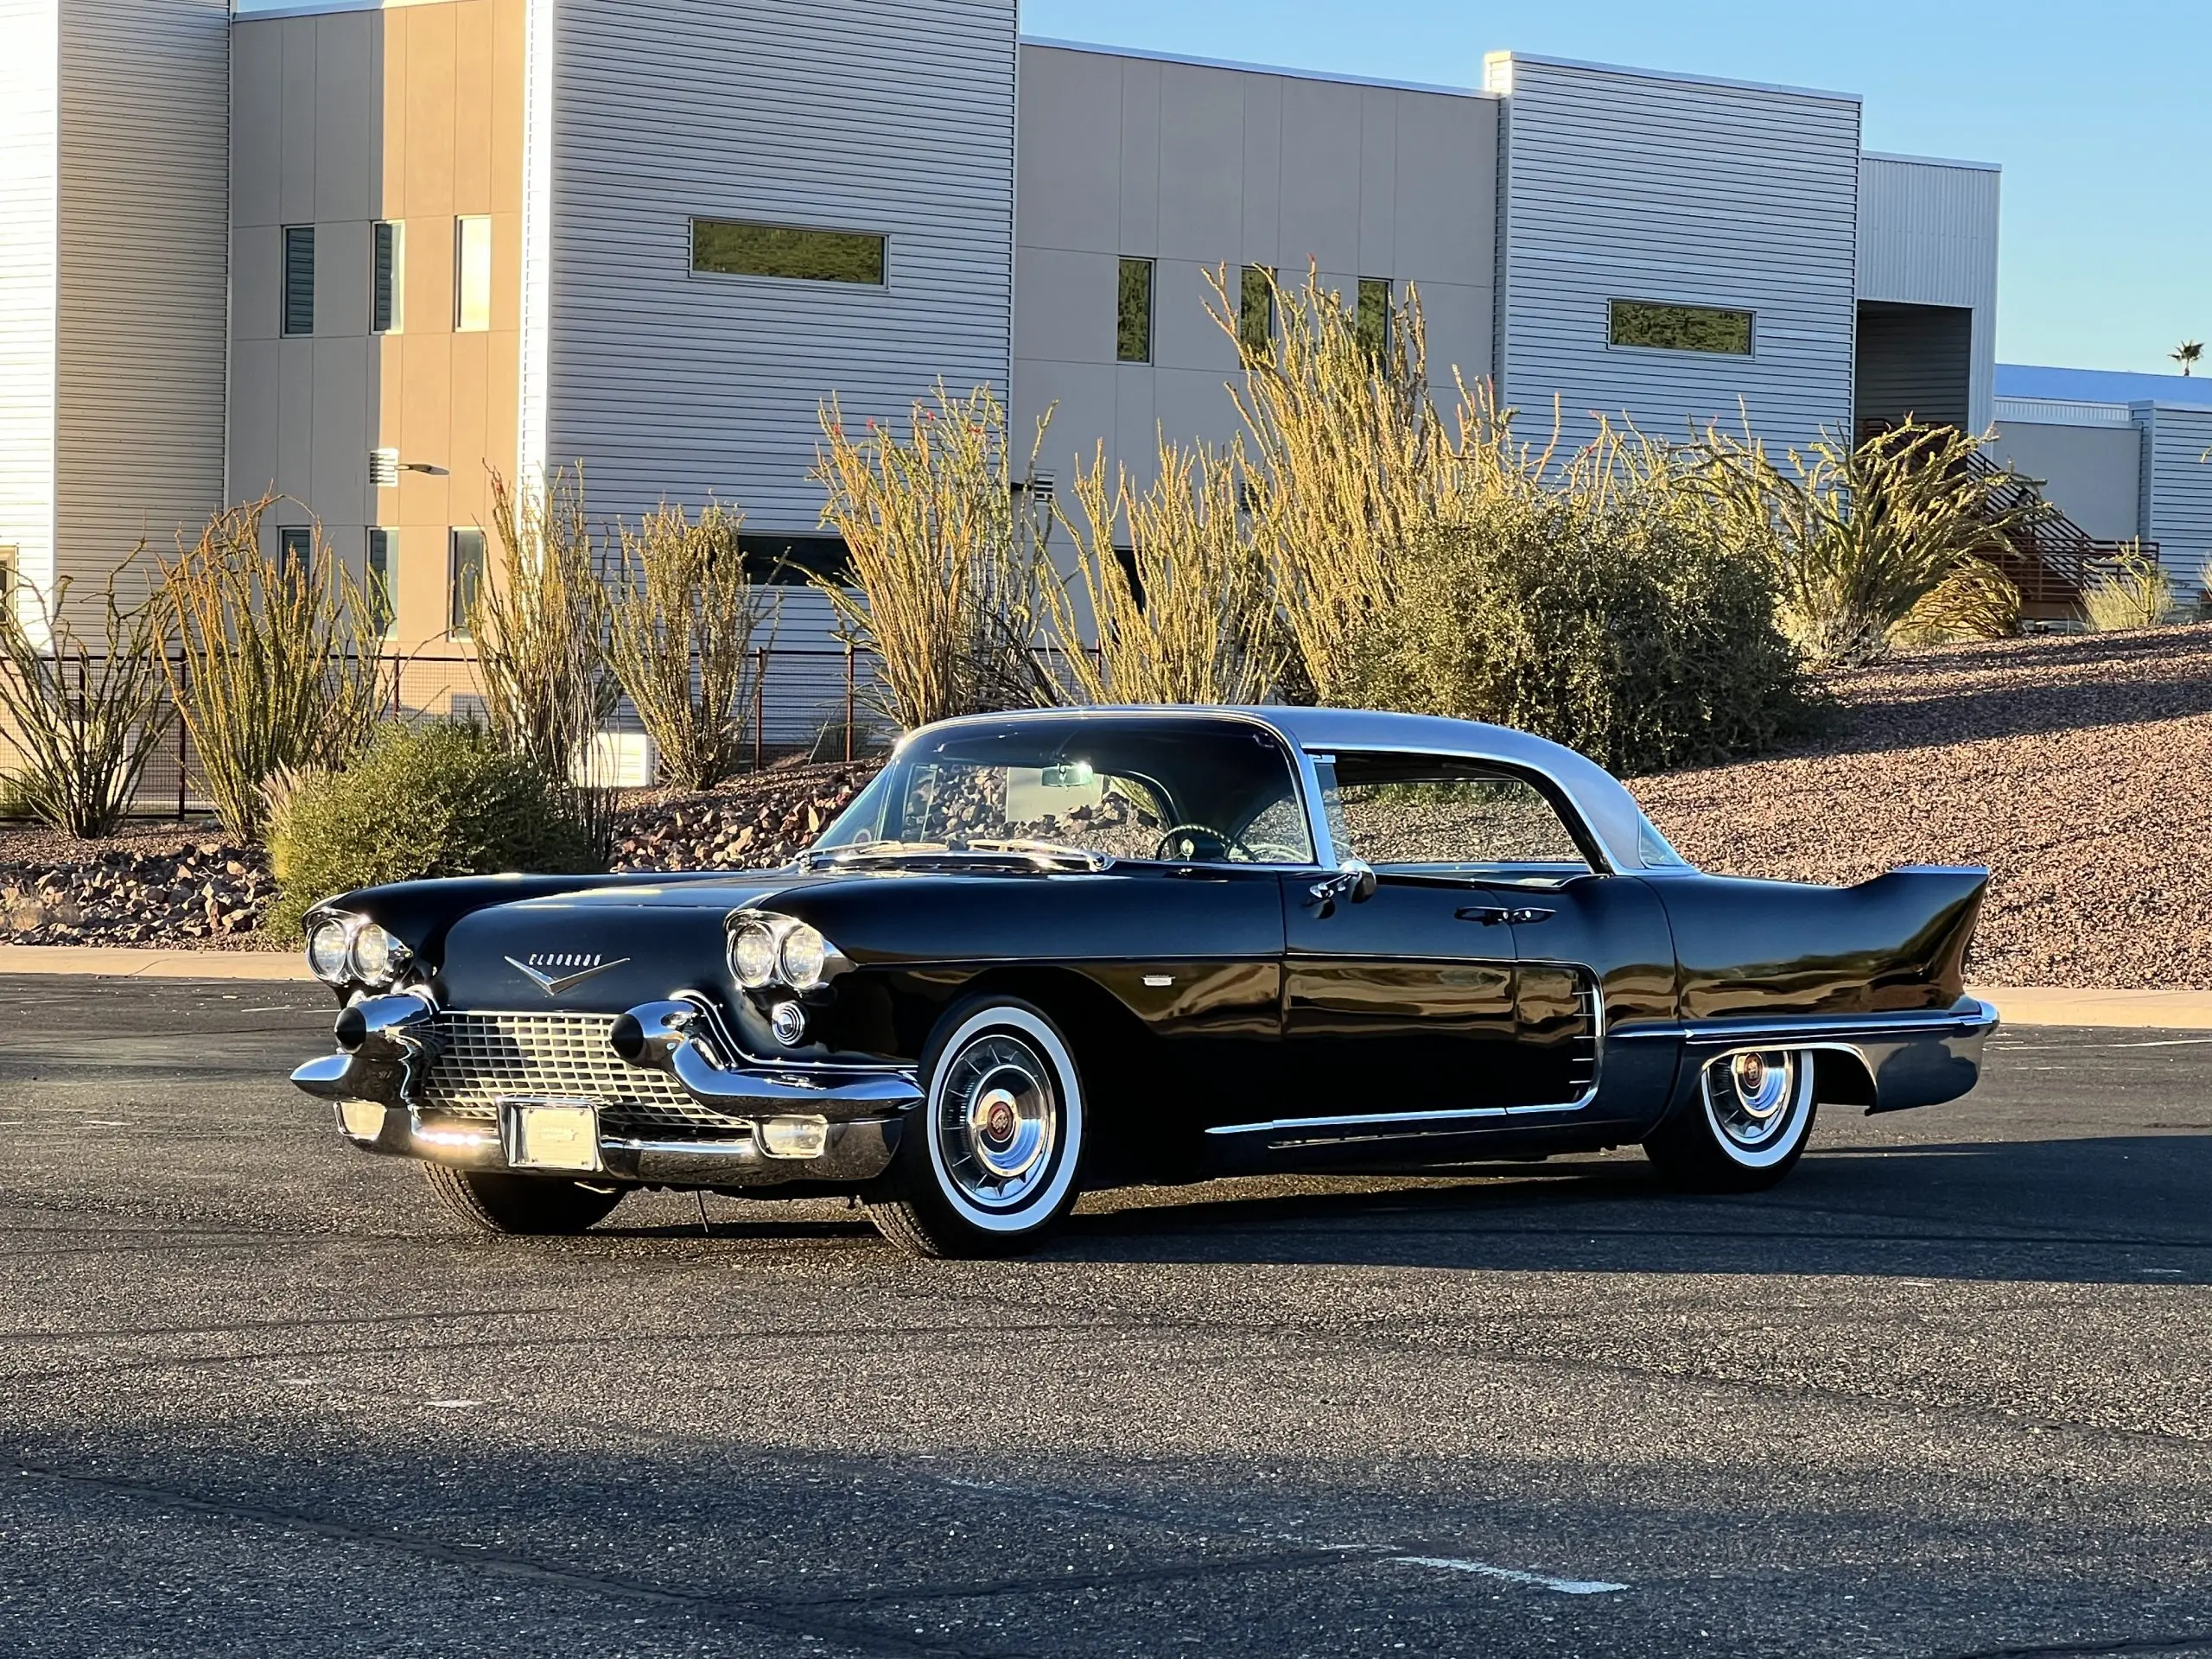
1627, 837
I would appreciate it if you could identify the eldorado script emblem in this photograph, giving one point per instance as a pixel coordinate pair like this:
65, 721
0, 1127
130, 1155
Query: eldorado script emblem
582, 967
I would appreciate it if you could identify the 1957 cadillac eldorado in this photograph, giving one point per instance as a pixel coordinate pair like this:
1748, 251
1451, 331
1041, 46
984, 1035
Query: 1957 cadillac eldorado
1047, 951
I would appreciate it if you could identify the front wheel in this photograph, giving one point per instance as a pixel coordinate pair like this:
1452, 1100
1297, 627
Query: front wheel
1747, 1128
987, 1163
530, 1205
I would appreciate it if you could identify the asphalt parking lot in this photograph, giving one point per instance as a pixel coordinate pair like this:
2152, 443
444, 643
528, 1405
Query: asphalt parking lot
1948, 1391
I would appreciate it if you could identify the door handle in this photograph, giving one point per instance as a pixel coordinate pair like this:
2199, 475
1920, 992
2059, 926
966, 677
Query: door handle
1521, 916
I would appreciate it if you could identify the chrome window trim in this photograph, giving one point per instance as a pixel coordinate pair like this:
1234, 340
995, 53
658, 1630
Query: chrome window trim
1602, 801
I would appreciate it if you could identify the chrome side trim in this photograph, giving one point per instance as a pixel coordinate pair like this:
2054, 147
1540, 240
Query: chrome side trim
1791, 1032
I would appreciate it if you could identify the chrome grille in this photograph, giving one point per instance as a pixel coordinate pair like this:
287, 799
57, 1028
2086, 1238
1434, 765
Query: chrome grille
487, 1057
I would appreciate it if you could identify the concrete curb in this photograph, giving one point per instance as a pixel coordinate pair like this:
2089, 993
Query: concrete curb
105, 962
2030, 1005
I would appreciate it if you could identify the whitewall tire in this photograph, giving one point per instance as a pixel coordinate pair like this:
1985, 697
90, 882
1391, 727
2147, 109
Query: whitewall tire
1748, 1125
988, 1164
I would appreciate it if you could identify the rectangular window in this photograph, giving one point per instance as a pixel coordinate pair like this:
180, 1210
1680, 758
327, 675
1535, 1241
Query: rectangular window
1374, 318
464, 573
294, 549
384, 281
1662, 327
299, 279
1133, 313
9, 557
736, 248
383, 571
1255, 310
471, 276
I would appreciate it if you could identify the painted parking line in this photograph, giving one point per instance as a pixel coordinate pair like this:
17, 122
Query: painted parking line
1513, 1575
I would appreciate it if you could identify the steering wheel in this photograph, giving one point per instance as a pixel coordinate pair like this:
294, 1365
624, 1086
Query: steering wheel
1194, 851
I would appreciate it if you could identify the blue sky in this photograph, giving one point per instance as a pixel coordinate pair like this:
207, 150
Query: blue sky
2099, 115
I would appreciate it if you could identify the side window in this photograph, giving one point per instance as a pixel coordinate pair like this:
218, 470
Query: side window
1436, 815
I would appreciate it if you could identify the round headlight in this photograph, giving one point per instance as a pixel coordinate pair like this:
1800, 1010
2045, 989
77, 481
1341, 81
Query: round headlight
327, 950
752, 954
805, 954
377, 956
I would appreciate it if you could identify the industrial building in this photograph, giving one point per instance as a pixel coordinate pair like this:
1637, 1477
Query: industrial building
360, 252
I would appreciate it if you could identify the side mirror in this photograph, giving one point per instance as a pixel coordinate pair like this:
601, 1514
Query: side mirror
1354, 883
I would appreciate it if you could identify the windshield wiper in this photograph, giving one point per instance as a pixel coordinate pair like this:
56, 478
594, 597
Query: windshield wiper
1047, 852
1041, 854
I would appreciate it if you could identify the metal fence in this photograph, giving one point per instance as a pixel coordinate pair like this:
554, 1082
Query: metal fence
818, 702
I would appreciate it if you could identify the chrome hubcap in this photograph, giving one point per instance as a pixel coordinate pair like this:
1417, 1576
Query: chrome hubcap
998, 1121
1751, 1094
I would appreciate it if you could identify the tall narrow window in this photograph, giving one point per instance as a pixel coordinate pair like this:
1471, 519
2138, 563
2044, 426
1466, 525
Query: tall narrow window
1133, 313
294, 549
1255, 310
384, 281
1374, 322
299, 279
383, 572
8, 558
465, 573
472, 267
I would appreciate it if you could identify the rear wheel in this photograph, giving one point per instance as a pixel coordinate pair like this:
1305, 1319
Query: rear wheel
524, 1204
987, 1164
1747, 1128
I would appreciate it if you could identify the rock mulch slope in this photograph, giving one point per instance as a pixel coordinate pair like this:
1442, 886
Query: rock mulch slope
172, 886
2077, 767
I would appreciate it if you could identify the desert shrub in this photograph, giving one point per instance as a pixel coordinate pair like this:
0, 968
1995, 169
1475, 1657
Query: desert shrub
539, 624
1189, 618
680, 633
1600, 619
83, 722
1860, 534
947, 546
1975, 601
2135, 593
276, 665
432, 800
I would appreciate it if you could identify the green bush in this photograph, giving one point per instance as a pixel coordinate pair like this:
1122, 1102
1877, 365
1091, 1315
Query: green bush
423, 801
1633, 635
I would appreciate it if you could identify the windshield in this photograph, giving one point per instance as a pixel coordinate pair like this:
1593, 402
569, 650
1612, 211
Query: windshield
1187, 790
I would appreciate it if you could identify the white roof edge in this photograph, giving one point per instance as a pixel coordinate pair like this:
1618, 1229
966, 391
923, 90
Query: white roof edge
1254, 69
1679, 76
1929, 161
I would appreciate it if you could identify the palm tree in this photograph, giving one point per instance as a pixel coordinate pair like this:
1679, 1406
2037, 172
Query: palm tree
2188, 354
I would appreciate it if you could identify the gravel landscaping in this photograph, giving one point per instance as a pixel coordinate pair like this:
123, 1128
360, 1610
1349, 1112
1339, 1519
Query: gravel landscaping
2077, 767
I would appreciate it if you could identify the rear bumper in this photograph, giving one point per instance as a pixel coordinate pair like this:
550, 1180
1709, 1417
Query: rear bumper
855, 1151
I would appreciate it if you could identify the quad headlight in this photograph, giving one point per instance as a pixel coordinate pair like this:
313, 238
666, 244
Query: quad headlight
766, 949
343, 949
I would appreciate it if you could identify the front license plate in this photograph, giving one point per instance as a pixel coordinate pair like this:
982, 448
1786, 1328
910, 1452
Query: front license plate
551, 1134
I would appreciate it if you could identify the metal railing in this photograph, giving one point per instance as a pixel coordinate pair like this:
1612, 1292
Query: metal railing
818, 702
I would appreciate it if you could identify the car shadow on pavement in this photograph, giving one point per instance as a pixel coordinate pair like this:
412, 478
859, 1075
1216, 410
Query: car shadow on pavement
2119, 1210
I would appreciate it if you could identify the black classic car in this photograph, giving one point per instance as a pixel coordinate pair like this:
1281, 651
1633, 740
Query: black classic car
1046, 952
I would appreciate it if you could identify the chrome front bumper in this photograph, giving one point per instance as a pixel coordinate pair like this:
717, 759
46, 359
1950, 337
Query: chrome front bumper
856, 1151
388, 1046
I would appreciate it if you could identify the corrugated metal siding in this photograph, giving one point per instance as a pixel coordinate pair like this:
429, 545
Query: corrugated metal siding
1928, 236
1196, 166
838, 113
2178, 489
1622, 186
2058, 414
1915, 361
29, 204
145, 179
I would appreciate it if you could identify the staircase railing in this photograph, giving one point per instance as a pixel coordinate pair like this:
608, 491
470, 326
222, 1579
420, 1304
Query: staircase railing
2049, 558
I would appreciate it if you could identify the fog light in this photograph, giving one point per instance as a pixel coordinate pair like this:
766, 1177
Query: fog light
361, 1120
788, 1022
795, 1137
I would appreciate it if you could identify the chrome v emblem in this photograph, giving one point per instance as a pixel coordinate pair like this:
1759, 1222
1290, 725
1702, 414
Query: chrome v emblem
555, 985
